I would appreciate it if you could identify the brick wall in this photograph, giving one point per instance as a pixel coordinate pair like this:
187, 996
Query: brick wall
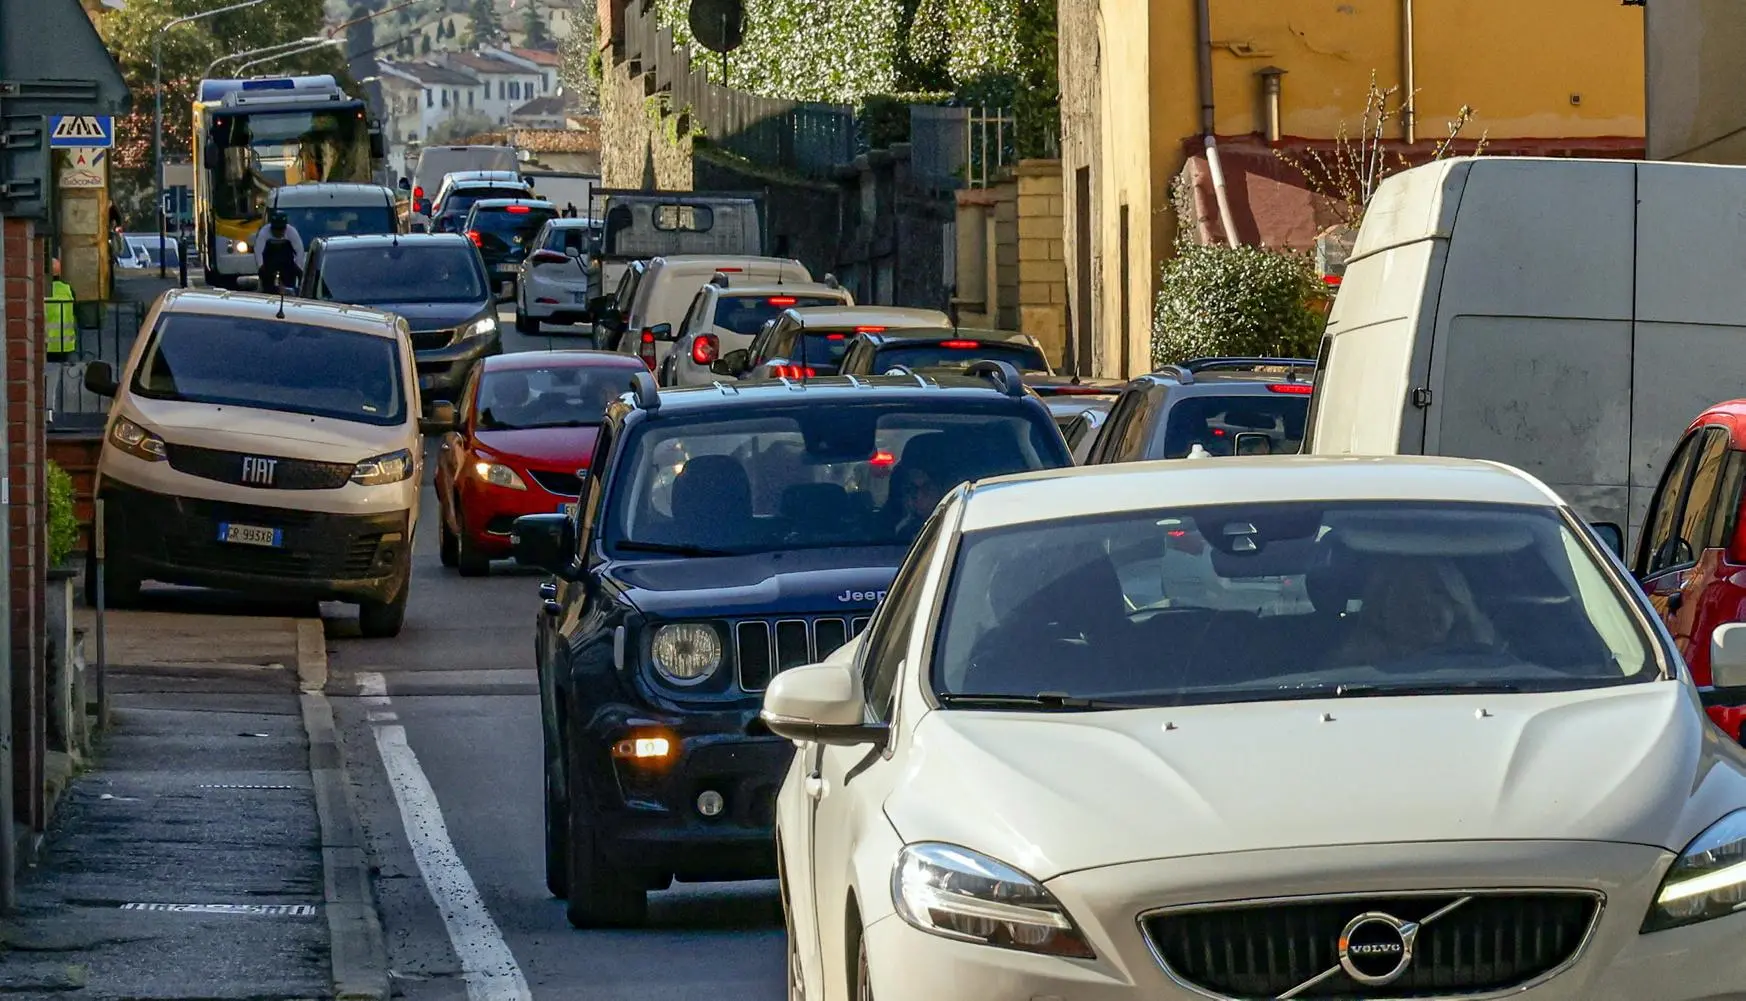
22, 267
1042, 272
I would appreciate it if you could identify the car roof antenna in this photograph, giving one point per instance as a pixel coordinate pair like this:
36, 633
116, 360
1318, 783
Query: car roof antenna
281, 314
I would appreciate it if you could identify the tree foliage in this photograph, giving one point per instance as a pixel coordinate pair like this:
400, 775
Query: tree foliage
459, 126
579, 72
1215, 299
484, 26
534, 27
63, 524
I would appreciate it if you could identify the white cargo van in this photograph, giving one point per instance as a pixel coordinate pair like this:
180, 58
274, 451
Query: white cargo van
1567, 317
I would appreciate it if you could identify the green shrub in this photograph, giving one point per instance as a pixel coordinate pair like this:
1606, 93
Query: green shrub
63, 525
1246, 301
884, 118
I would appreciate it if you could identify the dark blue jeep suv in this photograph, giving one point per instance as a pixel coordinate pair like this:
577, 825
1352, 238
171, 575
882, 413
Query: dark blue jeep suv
724, 534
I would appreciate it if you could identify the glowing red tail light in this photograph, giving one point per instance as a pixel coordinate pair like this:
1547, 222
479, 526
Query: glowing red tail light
418, 193
961, 345
1076, 390
882, 458
646, 350
869, 330
705, 348
474, 235
515, 209
782, 300
792, 372
835, 337
1294, 388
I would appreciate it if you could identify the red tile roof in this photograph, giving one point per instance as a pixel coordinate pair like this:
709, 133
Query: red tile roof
540, 56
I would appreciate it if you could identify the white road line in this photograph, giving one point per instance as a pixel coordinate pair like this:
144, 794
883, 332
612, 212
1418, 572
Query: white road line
487, 965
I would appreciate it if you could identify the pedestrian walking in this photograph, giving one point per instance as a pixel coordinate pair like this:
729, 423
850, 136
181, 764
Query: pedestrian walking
278, 254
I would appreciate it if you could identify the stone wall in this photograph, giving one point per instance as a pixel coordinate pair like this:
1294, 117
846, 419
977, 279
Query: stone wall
638, 145
800, 217
1042, 274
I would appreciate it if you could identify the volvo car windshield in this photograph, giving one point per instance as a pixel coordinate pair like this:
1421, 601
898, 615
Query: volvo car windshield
1249, 602
274, 365
809, 477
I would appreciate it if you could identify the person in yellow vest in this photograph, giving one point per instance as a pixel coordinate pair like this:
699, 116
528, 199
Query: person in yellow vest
60, 332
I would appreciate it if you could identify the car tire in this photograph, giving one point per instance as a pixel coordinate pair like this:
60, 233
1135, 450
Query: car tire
600, 895
557, 840
449, 548
525, 324
468, 559
380, 620
863, 975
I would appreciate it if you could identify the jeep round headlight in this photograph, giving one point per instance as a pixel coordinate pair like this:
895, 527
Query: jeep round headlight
686, 653
1708, 880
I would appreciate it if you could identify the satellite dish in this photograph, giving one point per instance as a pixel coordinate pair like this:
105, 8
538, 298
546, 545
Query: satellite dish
718, 25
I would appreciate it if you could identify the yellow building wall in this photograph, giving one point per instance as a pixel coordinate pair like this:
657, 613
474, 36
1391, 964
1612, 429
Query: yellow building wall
1125, 42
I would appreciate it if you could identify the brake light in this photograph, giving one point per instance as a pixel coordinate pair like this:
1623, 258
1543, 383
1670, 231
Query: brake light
478, 240
882, 458
869, 330
1294, 388
729, 271
961, 345
1076, 390
704, 349
792, 372
835, 337
515, 209
646, 350
418, 193
782, 300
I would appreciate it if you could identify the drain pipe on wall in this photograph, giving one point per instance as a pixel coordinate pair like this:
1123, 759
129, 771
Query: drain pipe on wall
1207, 121
1408, 109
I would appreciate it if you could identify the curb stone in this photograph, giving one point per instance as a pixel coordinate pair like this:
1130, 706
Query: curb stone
356, 946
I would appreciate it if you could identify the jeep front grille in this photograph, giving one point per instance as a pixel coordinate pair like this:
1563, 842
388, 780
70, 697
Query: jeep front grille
763, 647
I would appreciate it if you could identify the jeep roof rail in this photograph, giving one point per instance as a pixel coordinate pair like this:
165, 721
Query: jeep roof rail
905, 370
1004, 374
1237, 364
646, 395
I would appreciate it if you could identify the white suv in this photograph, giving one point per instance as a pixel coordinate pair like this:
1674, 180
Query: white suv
267, 446
1257, 728
725, 317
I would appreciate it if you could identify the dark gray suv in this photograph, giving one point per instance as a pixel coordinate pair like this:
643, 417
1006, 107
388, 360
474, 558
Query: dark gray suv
1226, 406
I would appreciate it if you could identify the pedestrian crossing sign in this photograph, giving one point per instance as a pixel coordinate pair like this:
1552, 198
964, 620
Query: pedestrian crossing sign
73, 131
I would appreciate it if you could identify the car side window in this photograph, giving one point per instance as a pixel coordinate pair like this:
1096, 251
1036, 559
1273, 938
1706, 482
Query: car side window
1700, 503
1728, 498
1125, 413
691, 313
594, 488
1664, 510
889, 633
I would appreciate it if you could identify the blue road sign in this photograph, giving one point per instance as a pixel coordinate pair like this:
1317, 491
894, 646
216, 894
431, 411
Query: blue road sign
72, 131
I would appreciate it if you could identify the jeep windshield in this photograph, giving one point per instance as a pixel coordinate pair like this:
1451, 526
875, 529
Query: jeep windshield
1255, 602
279, 365
813, 477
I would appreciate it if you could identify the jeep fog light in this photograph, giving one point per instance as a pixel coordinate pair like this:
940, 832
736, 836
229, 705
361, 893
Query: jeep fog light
709, 803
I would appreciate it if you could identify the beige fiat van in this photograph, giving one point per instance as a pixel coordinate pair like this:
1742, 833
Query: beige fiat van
268, 446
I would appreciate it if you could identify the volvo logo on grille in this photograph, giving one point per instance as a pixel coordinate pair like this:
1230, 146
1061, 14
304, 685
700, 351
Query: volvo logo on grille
257, 471
1377, 948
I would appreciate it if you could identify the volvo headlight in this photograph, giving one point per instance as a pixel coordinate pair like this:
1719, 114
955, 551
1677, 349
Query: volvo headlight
137, 441
686, 653
390, 468
956, 893
1708, 880
499, 475
480, 327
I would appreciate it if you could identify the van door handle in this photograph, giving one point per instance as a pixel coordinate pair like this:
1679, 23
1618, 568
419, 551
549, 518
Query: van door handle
815, 787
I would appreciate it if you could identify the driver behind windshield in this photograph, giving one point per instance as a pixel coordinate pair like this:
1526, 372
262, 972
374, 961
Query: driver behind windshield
561, 396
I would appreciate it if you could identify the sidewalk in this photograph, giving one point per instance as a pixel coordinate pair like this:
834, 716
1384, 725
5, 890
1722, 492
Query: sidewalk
210, 853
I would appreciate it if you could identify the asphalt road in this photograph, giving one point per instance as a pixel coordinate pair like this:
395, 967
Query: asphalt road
440, 729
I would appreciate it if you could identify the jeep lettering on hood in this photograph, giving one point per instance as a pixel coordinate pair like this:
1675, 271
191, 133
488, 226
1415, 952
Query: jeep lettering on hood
859, 596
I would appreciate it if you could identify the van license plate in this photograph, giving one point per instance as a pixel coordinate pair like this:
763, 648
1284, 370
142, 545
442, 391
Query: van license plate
567, 510
251, 535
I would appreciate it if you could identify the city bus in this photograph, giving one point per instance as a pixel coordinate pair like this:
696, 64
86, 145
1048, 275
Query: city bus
252, 136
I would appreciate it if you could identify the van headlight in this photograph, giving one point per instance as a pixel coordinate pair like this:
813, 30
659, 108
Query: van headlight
137, 441
390, 468
480, 327
686, 653
1708, 880
956, 893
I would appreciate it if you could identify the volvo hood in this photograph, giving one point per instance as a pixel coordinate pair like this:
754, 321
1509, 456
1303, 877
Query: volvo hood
1056, 792
806, 581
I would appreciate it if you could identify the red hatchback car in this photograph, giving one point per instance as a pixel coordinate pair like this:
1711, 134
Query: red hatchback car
1691, 555
527, 424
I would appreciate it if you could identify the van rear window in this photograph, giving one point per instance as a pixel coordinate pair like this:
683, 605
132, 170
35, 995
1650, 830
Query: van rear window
265, 364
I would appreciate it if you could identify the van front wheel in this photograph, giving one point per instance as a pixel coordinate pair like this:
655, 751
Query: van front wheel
383, 619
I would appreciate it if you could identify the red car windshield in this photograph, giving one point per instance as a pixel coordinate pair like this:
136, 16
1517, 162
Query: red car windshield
553, 397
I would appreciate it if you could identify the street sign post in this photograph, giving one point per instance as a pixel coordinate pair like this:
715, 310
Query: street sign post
75, 131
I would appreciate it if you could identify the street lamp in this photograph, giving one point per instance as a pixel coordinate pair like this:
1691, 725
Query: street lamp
294, 52
306, 40
158, 114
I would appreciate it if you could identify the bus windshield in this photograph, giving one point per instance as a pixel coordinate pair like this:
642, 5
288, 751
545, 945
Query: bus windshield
263, 150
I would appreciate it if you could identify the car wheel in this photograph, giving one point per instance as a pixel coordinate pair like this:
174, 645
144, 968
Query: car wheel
796, 973
525, 324
557, 843
380, 620
863, 976
468, 559
601, 895
449, 550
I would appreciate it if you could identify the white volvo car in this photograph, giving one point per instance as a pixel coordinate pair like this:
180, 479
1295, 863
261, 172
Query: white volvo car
1261, 728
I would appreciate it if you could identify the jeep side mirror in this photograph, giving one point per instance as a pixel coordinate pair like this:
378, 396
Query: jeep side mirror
1611, 535
733, 363
543, 541
100, 379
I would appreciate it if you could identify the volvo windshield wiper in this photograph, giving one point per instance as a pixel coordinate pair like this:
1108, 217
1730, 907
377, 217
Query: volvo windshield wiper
1042, 700
671, 548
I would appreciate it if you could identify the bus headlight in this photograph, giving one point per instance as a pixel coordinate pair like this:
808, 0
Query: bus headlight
240, 247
